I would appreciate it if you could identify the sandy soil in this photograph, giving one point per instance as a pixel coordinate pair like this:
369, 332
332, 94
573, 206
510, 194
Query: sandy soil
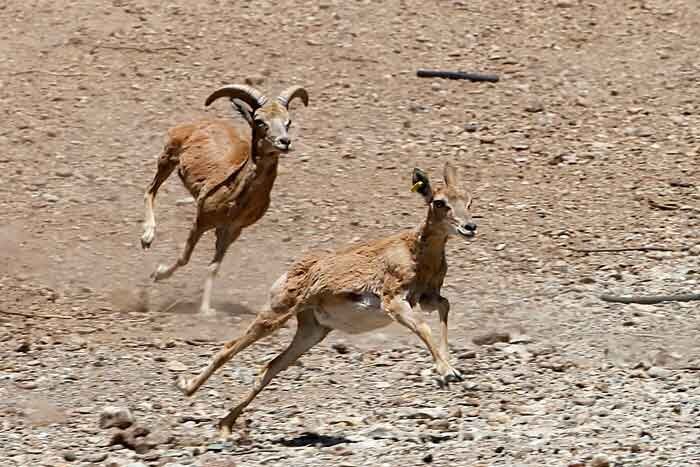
590, 140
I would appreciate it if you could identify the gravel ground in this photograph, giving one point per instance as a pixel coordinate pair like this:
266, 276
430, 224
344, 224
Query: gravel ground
590, 140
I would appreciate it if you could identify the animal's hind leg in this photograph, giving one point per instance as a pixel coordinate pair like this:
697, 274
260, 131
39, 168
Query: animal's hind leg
224, 237
264, 324
309, 333
166, 165
163, 272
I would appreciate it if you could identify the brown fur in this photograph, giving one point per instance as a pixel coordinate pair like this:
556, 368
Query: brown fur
361, 287
229, 168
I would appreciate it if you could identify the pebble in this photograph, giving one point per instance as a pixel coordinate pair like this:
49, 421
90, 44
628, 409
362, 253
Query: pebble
584, 401
491, 337
442, 425
659, 372
534, 107
600, 460
184, 201
471, 127
424, 413
70, 456
174, 365
119, 417
95, 458
50, 198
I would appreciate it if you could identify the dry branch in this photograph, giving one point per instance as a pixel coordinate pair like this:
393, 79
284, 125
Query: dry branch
29, 315
136, 48
45, 72
471, 76
650, 299
622, 249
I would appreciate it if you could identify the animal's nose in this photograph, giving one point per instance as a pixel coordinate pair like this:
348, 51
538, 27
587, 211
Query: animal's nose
470, 226
285, 140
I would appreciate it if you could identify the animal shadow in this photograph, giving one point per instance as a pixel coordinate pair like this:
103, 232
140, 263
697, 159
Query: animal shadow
313, 439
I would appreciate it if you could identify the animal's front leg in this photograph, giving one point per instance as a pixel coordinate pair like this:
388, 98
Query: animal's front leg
224, 237
443, 307
401, 311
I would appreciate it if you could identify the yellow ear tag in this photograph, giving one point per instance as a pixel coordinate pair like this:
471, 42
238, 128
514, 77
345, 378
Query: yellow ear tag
417, 186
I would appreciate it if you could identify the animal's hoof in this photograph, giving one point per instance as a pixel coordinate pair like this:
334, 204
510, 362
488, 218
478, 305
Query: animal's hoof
160, 273
452, 376
182, 383
147, 239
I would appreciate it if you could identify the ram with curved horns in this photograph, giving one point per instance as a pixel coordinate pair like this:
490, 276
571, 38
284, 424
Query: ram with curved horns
228, 167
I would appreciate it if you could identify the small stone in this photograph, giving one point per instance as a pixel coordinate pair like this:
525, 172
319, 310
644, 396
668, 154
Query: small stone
424, 413
525, 410
70, 456
428, 458
659, 372
441, 425
491, 337
50, 198
24, 347
498, 419
471, 127
184, 201
134, 438
584, 401
255, 80
565, 3
119, 417
95, 458
174, 365
520, 339
487, 139
600, 460
534, 107
27, 385
340, 348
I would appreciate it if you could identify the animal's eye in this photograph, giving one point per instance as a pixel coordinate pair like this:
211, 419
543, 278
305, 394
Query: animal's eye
438, 203
260, 123
288, 124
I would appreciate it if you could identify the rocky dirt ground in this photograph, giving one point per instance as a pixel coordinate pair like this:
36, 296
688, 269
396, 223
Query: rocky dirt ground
590, 140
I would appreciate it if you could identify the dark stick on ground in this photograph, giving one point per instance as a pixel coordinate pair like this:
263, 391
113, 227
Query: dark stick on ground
622, 249
470, 76
650, 299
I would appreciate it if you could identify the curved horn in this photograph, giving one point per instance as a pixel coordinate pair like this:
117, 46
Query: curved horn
292, 92
247, 94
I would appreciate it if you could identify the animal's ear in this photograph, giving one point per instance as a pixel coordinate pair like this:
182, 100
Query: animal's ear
421, 184
243, 109
451, 175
